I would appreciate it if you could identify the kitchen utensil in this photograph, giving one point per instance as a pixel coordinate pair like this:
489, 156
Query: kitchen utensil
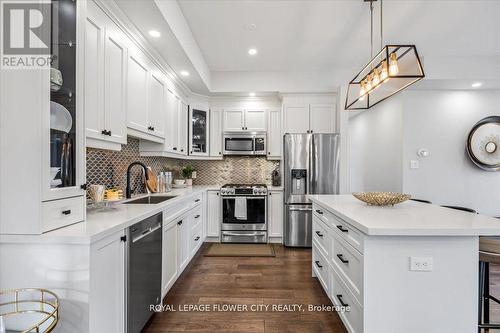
151, 182
56, 80
60, 118
96, 193
381, 198
168, 180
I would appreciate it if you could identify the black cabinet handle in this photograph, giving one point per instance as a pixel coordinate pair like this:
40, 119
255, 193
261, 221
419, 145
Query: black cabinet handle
319, 212
151, 128
270, 193
197, 216
341, 258
341, 228
220, 153
179, 223
317, 264
319, 234
197, 200
197, 238
104, 132
123, 238
175, 148
182, 149
66, 212
217, 193
311, 131
84, 186
339, 297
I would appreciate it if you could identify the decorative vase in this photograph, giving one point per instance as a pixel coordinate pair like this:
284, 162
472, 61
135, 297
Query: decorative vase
189, 182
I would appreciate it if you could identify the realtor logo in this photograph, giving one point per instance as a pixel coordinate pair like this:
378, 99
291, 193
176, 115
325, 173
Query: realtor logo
26, 29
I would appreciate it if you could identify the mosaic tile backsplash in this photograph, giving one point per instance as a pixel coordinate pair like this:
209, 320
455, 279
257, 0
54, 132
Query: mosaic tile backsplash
109, 168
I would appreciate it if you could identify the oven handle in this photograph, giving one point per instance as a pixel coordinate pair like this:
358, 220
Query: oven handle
255, 197
224, 233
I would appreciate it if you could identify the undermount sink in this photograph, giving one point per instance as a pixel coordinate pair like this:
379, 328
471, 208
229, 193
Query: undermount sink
151, 200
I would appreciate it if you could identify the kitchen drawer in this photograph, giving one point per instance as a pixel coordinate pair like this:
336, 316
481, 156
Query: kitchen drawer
322, 237
341, 296
60, 213
196, 200
348, 263
196, 237
320, 268
342, 228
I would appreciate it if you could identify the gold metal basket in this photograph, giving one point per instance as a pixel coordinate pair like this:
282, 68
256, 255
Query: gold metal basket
381, 198
36, 310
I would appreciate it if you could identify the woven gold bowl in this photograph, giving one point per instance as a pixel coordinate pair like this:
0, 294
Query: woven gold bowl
381, 198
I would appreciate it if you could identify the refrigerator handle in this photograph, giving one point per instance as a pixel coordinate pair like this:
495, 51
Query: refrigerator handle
312, 177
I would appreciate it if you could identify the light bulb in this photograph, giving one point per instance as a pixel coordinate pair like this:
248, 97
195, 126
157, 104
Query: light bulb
362, 90
384, 76
376, 78
369, 85
393, 64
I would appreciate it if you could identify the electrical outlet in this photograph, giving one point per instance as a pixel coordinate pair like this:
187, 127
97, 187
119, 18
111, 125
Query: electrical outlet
414, 164
422, 264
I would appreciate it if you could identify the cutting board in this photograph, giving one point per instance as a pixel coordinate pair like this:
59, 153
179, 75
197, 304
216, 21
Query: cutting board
151, 183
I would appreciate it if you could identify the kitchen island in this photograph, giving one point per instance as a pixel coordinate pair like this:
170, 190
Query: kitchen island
407, 268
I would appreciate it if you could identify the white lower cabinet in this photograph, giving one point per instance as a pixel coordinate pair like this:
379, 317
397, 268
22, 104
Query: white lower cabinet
213, 213
182, 243
196, 231
107, 284
169, 256
275, 213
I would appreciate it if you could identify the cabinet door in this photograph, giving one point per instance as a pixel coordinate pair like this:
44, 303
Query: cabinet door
196, 232
255, 120
234, 120
182, 244
198, 132
296, 118
115, 83
157, 106
169, 257
275, 213
214, 213
172, 133
183, 127
93, 72
322, 118
215, 133
274, 137
137, 93
107, 284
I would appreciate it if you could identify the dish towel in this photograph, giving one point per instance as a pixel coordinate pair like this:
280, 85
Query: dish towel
240, 208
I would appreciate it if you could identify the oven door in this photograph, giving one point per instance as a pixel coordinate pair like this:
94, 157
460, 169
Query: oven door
254, 219
238, 145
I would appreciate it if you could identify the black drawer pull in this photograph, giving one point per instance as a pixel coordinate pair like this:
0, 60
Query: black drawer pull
175, 148
319, 212
104, 132
197, 200
197, 238
339, 297
66, 212
341, 258
179, 223
341, 228
317, 264
197, 216
319, 234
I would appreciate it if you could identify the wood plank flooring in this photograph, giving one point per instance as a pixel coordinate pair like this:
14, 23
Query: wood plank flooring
284, 279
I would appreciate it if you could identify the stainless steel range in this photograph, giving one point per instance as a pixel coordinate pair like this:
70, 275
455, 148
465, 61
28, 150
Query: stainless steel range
244, 213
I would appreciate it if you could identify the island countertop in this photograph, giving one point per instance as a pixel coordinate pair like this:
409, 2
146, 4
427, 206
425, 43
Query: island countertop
409, 218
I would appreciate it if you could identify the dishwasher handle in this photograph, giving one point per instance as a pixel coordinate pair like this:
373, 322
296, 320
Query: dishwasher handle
146, 232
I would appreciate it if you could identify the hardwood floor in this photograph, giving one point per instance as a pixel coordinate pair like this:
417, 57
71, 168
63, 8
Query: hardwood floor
284, 279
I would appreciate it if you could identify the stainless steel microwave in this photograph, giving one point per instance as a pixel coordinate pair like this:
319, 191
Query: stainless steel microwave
244, 143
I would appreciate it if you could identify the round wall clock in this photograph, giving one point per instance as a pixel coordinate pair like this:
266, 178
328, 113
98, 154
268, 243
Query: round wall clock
483, 144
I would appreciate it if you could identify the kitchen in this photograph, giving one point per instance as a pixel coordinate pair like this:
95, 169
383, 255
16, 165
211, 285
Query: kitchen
169, 167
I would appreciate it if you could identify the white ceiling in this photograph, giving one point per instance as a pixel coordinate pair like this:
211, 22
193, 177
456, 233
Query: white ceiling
320, 44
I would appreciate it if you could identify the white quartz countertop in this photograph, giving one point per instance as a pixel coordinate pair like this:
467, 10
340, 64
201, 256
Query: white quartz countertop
101, 223
409, 218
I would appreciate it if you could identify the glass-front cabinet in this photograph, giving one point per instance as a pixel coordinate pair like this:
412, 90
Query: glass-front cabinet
63, 170
198, 131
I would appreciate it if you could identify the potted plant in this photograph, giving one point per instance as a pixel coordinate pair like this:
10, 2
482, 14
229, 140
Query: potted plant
187, 173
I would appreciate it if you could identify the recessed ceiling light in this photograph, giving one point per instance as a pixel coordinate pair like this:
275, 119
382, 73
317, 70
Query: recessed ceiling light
250, 26
184, 73
252, 51
477, 84
154, 33
252, 94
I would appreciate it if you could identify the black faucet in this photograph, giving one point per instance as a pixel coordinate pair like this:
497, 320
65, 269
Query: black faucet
128, 191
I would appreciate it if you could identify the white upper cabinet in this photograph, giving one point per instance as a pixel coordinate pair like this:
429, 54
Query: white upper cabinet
234, 120
296, 118
255, 120
171, 140
238, 120
137, 93
157, 106
216, 133
274, 136
322, 118
183, 127
199, 124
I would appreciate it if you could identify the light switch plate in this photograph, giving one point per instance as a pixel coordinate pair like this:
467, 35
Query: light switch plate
422, 264
414, 164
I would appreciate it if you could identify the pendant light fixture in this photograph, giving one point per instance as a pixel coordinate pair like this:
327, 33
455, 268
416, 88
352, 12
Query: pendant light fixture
393, 69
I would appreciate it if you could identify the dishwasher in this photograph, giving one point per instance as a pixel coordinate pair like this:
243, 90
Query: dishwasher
143, 271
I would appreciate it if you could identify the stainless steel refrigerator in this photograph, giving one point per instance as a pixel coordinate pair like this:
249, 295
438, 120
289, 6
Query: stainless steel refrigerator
311, 166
